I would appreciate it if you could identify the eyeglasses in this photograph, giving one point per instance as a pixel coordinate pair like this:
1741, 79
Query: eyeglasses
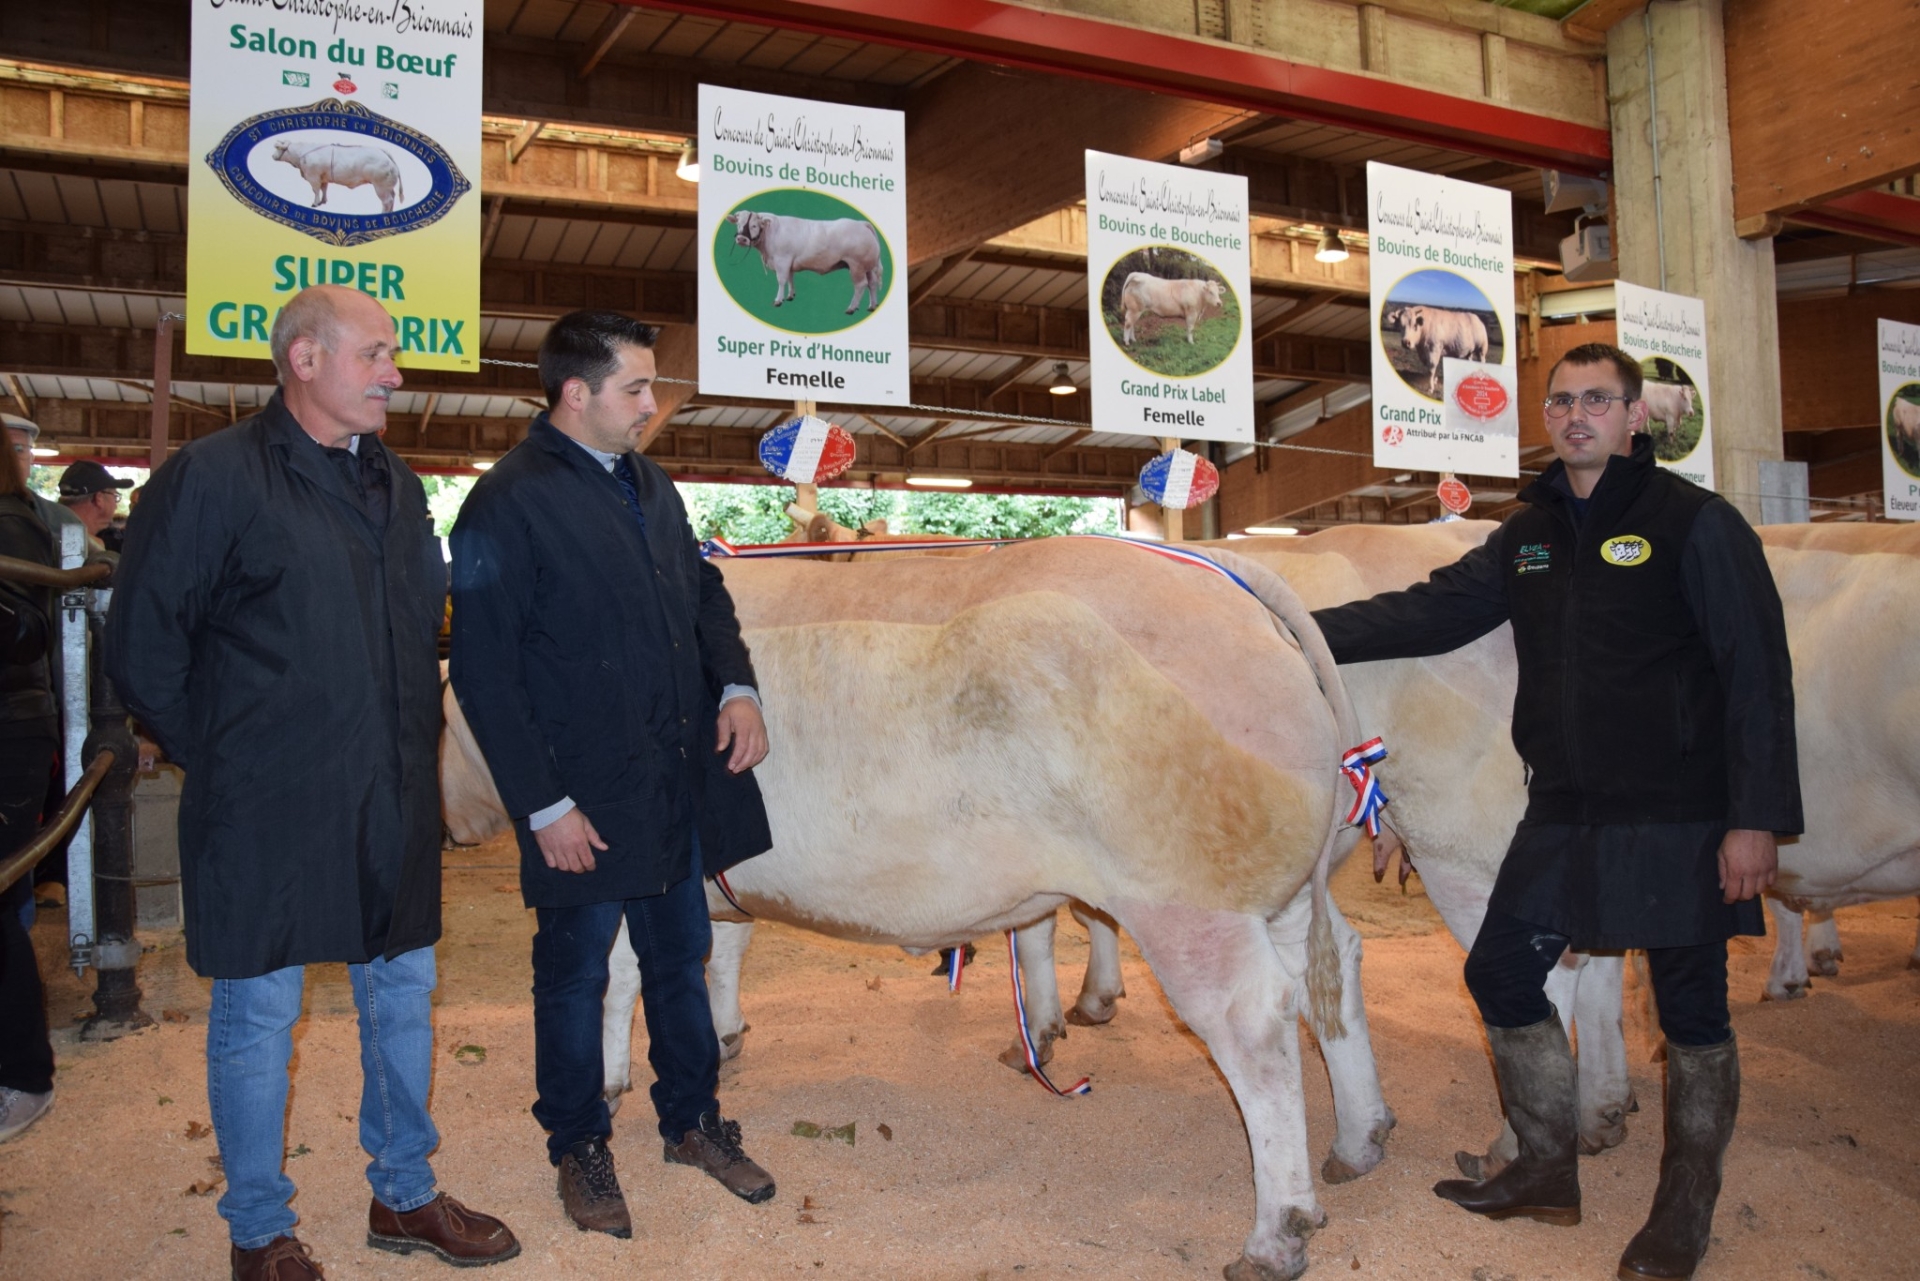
1560, 404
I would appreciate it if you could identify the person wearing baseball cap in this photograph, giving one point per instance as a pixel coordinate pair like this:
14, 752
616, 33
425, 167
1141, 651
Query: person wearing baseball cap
91, 493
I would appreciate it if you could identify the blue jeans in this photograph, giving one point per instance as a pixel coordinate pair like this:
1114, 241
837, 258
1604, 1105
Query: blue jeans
250, 1040
671, 936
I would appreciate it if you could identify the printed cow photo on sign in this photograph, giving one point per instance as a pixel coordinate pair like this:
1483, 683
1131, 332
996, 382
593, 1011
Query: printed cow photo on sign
1676, 408
1903, 428
803, 240
1170, 311
1431, 316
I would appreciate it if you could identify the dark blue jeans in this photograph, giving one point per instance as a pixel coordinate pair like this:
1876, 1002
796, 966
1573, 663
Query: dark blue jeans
672, 937
1510, 961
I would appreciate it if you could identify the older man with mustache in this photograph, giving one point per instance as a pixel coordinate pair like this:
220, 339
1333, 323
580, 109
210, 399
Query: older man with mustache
274, 626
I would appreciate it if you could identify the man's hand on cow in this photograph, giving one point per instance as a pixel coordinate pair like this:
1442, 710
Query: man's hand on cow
742, 726
1748, 862
568, 842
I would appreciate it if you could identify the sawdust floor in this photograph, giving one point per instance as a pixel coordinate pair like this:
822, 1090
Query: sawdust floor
985, 1176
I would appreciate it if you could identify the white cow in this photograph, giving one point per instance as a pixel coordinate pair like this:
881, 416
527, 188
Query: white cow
344, 165
1186, 300
1905, 418
1668, 404
1434, 333
788, 243
1011, 777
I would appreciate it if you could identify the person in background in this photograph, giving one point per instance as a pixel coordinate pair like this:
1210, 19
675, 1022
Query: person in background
273, 627
91, 493
29, 742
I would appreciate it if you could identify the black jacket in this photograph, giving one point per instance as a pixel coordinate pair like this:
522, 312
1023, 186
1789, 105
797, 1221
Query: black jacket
589, 661
27, 627
281, 647
1654, 679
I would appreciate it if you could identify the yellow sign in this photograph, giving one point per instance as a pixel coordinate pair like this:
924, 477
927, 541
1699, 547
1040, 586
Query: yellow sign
1628, 549
340, 147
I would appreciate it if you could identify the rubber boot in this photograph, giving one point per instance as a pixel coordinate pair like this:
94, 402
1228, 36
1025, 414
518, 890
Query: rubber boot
1537, 1080
1703, 1097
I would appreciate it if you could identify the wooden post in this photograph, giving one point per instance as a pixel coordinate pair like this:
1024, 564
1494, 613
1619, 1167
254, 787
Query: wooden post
162, 389
807, 496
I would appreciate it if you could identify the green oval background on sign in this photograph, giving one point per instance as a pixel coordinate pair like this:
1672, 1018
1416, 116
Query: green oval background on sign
819, 302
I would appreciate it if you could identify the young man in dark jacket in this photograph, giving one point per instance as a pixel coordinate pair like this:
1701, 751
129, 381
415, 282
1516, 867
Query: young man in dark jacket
1655, 717
599, 662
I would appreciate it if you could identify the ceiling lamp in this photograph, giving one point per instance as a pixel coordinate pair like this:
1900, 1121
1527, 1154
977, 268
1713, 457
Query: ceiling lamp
1277, 531
1062, 384
688, 169
940, 482
1331, 249
42, 451
481, 464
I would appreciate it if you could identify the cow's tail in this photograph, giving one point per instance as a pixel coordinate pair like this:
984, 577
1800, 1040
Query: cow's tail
879, 264
1292, 615
399, 187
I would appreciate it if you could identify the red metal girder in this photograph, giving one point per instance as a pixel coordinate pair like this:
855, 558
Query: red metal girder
1075, 45
1879, 215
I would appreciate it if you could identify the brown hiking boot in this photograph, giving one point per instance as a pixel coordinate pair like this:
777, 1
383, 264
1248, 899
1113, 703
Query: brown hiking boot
281, 1259
715, 1148
590, 1191
465, 1238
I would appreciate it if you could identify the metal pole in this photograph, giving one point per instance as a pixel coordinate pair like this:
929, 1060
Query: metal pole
162, 388
82, 935
116, 997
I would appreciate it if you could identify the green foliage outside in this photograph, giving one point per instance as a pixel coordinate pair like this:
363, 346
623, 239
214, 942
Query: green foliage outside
1160, 343
444, 496
757, 513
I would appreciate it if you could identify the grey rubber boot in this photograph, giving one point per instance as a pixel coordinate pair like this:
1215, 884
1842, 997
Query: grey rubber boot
1537, 1079
1703, 1098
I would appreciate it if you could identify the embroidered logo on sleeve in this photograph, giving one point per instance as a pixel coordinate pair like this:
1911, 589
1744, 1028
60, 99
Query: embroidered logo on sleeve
1533, 558
1628, 549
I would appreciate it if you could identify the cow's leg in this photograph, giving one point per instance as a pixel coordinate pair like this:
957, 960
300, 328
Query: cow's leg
1787, 980
782, 285
616, 1017
1190, 320
1224, 978
1127, 316
1362, 1119
730, 939
319, 193
1606, 1095
1101, 988
1823, 944
1041, 986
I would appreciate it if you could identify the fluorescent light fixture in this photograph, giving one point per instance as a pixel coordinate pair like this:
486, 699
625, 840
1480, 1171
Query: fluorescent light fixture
481, 464
1062, 384
1403, 478
42, 451
688, 170
1198, 153
1275, 531
1331, 249
940, 482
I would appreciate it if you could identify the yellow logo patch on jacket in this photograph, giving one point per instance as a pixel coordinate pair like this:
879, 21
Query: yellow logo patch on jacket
1628, 549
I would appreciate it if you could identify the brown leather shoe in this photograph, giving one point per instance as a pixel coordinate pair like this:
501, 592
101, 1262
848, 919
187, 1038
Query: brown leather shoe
591, 1192
281, 1259
715, 1148
465, 1238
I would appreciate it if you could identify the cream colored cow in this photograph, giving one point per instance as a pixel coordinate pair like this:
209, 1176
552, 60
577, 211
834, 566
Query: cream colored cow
987, 766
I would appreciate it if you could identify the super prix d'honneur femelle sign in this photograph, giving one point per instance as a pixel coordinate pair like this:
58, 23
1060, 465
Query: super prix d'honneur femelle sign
803, 250
335, 144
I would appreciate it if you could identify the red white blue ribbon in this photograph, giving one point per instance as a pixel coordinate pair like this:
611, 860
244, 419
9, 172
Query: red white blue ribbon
1368, 799
726, 891
956, 962
720, 548
1085, 1084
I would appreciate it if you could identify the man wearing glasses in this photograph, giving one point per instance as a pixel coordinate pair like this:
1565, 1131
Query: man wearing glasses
1655, 716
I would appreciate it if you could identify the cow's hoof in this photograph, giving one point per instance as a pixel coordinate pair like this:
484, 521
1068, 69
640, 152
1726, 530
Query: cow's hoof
1339, 1169
1913, 962
1286, 1269
730, 1044
613, 1096
1606, 1130
1015, 1055
1092, 1013
1825, 964
1659, 1054
1478, 1168
1633, 1103
1786, 991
